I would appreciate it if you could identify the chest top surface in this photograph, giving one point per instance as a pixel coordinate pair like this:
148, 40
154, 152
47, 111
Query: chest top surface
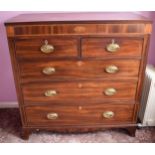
77, 17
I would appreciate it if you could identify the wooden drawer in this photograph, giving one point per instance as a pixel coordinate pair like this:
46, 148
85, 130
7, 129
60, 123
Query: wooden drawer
53, 47
75, 91
79, 115
64, 70
97, 28
111, 47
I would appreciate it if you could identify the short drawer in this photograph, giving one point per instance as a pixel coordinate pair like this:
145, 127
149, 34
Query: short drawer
46, 47
111, 47
79, 115
65, 70
75, 91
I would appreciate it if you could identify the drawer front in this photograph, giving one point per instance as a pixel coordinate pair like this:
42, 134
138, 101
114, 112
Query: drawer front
79, 115
46, 47
75, 91
97, 28
64, 70
111, 47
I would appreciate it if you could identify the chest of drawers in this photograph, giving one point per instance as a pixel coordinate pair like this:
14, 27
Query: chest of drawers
77, 72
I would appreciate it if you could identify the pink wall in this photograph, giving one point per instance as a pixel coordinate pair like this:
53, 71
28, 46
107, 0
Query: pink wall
151, 56
7, 88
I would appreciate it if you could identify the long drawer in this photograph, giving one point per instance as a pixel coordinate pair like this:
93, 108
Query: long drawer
79, 115
78, 29
46, 47
65, 70
111, 47
75, 91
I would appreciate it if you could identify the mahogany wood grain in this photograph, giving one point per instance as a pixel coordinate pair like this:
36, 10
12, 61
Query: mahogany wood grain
130, 127
71, 69
70, 91
96, 47
120, 23
16, 79
79, 58
30, 48
126, 17
78, 29
71, 115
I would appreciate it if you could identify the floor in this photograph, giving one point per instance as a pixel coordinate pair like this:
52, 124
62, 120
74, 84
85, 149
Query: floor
10, 133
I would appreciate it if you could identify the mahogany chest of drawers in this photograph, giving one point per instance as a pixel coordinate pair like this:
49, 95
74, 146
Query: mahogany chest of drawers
77, 72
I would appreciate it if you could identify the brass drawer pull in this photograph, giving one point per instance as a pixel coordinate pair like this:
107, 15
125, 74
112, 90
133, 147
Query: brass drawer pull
47, 48
48, 70
52, 115
110, 91
113, 47
108, 114
50, 93
111, 69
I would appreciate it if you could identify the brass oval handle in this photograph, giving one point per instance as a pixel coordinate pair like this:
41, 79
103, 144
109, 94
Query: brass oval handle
112, 47
111, 69
50, 93
46, 48
108, 114
110, 91
49, 70
52, 115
